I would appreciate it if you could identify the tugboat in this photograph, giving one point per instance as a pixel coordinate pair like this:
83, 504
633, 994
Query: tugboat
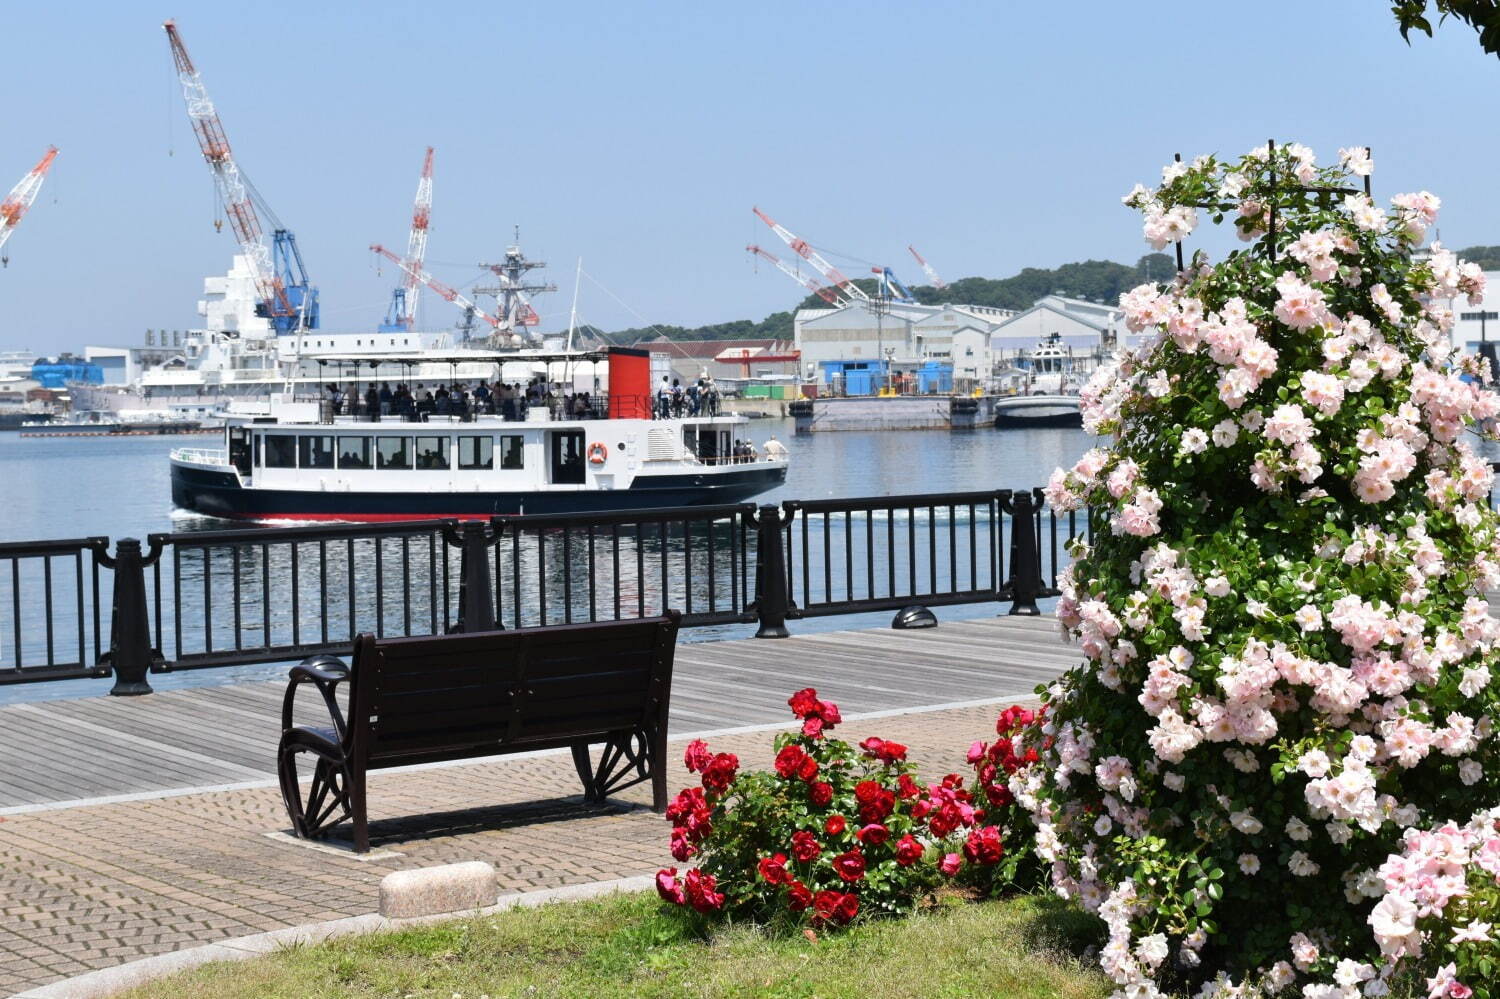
1048, 397
301, 462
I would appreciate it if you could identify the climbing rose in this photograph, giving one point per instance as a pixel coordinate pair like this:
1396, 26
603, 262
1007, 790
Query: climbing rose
885, 752
819, 794
950, 864
834, 825
804, 846
719, 773
697, 756
700, 892
668, 888
773, 870
873, 834
836, 906
850, 866
908, 850
798, 898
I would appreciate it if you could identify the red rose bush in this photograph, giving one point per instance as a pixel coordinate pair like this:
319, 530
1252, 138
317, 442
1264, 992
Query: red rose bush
834, 832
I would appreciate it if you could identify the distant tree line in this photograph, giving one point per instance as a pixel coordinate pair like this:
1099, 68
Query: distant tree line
1095, 280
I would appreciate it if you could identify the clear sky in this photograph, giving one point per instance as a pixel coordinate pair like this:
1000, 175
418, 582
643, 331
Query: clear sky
992, 135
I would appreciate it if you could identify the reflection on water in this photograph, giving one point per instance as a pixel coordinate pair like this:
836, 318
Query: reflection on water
285, 594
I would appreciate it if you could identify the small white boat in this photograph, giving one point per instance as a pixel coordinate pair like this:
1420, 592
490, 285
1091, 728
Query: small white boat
1047, 393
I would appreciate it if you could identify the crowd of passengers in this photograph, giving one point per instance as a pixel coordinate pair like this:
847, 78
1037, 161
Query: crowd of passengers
459, 400
508, 401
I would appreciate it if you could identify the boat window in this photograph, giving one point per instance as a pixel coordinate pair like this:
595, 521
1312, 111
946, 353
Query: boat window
511, 451
354, 452
476, 452
690, 439
315, 451
281, 451
432, 452
393, 452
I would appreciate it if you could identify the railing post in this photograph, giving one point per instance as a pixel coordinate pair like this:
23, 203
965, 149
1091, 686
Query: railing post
1025, 582
130, 653
771, 602
476, 599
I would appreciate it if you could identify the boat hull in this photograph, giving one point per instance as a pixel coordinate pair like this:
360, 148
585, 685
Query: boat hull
1038, 411
219, 494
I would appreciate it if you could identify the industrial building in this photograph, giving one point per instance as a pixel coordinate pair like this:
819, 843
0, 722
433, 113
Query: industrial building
902, 336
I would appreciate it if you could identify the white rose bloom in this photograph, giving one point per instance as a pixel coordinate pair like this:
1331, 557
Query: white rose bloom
1245, 823
1249, 863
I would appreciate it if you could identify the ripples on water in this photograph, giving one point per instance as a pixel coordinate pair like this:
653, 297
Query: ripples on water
77, 487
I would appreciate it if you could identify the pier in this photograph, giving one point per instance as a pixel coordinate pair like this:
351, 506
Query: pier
906, 412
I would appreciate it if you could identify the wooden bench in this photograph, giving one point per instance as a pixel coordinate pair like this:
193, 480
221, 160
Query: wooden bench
464, 696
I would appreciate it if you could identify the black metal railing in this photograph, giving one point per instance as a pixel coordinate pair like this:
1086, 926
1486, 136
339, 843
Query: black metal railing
194, 600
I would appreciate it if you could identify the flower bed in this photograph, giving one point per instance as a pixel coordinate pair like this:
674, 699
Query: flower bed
835, 833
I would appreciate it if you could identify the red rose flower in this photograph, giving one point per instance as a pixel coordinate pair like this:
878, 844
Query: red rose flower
804, 846
668, 888
789, 761
950, 864
907, 788
835, 906
908, 850
830, 713
819, 794
812, 727
809, 768
850, 866
984, 846
804, 702
875, 802
697, 755
719, 773
976, 751
700, 892
834, 825
773, 870
886, 752
874, 834
682, 849
798, 898
687, 801
999, 795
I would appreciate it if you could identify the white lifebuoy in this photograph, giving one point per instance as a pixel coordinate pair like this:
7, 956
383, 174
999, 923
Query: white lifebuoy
597, 453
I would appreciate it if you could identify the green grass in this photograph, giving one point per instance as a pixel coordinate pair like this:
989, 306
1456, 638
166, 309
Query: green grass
627, 945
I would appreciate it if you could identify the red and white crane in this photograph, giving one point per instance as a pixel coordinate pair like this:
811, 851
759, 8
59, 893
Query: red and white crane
445, 292
802, 249
416, 248
927, 269
22, 195
807, 281
235, 192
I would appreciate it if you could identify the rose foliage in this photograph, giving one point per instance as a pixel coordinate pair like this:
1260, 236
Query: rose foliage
1261, 777
833, 832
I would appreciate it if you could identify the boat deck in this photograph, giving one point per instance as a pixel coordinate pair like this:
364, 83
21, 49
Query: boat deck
68, 751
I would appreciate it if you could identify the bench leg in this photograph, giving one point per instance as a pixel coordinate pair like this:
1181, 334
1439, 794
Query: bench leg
361, 818
622, 763
326, 802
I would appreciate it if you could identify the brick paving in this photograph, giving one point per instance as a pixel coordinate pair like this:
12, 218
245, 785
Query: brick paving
90, 887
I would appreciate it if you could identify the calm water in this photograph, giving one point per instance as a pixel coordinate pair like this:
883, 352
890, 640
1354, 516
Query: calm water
76, 487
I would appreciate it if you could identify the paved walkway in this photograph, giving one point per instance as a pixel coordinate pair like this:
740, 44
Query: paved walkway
93, 886
80, 749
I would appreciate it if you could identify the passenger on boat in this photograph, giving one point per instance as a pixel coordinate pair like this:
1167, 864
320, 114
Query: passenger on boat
372, 404
385, 399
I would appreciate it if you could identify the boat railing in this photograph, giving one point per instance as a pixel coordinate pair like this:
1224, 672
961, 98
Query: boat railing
199, 455
195, 599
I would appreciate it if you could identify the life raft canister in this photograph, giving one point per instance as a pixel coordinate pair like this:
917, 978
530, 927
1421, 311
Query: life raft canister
597, 453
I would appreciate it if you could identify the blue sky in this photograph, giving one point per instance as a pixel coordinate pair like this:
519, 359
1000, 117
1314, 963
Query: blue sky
993, 136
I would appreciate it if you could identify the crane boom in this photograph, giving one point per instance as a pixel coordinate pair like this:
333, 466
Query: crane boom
812, 284
445, 292
416, 244
932, 275
23, 194
802, 249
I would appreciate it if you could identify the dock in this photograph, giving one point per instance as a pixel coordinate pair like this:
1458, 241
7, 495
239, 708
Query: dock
88, 750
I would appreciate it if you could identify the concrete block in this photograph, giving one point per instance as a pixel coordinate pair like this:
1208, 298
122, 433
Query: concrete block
427, 891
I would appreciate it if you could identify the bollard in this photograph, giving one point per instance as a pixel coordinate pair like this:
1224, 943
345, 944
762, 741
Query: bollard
476, 600
1025, 582
130, 653
771, 602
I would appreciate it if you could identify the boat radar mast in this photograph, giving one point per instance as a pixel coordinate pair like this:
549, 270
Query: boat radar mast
512, 292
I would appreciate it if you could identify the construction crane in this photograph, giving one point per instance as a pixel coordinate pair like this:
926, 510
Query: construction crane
284, 295
403, 311
891, 286
807, 281
445, 292
927, 269
800, 247
21, 197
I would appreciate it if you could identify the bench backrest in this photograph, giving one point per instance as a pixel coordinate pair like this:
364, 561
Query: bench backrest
452, 696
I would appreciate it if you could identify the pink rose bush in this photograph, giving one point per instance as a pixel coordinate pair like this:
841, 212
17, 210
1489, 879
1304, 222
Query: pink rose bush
1259, 778
834, 832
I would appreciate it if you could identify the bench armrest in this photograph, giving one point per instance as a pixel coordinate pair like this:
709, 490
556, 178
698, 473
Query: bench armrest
324, 672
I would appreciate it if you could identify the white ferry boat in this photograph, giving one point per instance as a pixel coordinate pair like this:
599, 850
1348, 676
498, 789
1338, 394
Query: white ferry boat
1048, 392
299, 462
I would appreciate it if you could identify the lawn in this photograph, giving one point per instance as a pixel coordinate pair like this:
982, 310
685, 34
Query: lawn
626, 945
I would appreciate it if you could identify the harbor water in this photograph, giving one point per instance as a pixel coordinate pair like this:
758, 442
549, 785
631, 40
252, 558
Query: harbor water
118, 487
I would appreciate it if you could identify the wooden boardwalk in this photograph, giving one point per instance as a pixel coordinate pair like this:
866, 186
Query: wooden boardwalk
71, 750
